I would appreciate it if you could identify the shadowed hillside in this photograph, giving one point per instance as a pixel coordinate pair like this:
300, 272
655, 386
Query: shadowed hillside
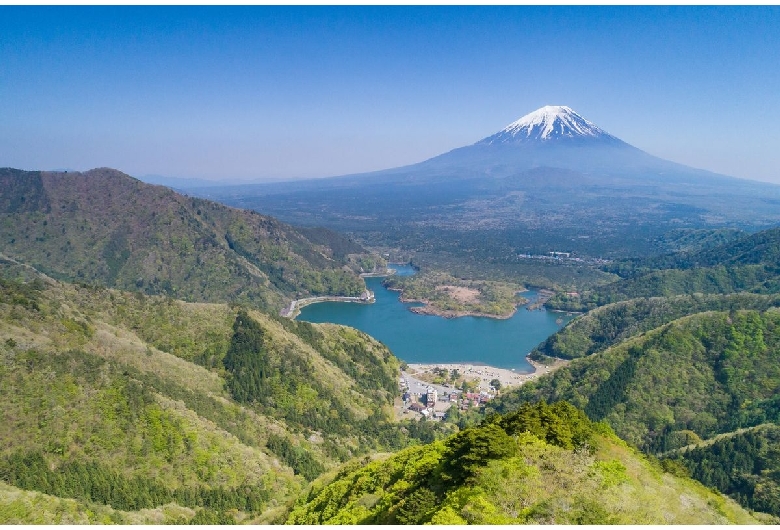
105, 227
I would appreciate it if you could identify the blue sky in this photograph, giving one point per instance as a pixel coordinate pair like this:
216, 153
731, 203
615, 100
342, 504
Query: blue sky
259, 92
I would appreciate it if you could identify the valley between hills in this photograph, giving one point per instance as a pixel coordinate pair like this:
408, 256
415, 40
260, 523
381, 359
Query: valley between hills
150, 373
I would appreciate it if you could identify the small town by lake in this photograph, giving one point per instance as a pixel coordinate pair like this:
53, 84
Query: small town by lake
414, 338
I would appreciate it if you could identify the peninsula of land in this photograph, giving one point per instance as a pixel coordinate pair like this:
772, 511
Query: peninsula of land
449, 297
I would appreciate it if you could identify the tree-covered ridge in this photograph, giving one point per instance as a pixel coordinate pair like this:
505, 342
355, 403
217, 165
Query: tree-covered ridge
750, 249
101, 387
19, 506
720, 279
105, 227
749, 264
697, 376
540, 464
606, 326
283, 379
697, 240
745, 466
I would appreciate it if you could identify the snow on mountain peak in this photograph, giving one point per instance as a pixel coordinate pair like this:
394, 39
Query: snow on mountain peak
548, 123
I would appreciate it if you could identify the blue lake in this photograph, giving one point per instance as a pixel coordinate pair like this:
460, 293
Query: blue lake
432, 339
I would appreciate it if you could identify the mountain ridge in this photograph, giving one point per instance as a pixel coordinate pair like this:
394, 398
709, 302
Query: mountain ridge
106, 227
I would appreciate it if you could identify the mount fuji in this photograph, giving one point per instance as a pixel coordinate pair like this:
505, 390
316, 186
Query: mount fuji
549, 137
551, 171
548, 124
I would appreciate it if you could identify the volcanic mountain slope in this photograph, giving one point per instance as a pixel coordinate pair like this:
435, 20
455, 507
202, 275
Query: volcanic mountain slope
551, 180
105, 227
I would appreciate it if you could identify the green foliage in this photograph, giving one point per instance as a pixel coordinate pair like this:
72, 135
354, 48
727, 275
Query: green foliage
92, 481
502, 473
471, 449
614, 390
605, 326
560, 424
247, 361
106, 228
298, 458
745, 466
698, 376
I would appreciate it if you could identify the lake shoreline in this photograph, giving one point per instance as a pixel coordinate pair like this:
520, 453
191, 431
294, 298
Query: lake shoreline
295, 306
414, 339
485, 373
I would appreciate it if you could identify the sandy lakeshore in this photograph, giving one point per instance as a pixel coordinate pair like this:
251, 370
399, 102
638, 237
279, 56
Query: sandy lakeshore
485, 374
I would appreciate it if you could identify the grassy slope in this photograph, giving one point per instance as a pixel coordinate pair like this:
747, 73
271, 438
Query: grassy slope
105, 227
97, 375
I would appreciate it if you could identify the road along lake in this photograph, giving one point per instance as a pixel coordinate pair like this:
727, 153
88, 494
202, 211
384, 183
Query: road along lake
414, 338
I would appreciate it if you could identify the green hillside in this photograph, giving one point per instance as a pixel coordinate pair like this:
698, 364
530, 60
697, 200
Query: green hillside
128, 404
682, 377
107, 228
750, 249
605, 326
749, 264
542, 464
695, 377
745, 465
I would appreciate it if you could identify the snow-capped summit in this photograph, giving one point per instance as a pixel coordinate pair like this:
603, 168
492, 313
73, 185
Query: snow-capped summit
548, 123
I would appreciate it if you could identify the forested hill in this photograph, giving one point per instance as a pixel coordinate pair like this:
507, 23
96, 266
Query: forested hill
744, 465
664, 382
542, 464
749, 264
752, 249
707, 373
608, 325
123, 407
107, 228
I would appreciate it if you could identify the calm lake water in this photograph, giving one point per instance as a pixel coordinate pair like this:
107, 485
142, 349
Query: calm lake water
431, 339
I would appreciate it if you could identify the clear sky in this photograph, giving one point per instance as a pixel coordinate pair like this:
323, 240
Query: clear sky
259, 92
